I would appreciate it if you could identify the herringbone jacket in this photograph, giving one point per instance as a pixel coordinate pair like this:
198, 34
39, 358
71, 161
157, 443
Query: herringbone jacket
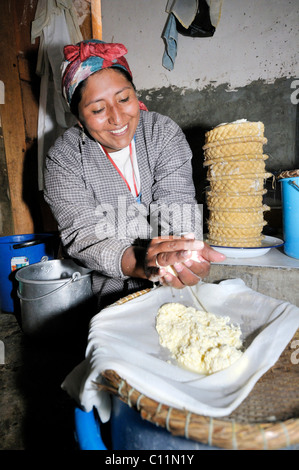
98, 217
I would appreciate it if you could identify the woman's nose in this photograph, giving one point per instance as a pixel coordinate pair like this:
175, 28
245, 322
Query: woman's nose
114, 116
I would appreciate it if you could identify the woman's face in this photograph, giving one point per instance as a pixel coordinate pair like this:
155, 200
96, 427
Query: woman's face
109, 109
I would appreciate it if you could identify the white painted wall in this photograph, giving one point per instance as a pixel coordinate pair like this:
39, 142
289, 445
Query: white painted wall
255, 39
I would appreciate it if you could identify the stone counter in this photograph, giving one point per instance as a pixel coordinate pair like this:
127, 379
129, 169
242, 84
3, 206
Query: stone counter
273, 274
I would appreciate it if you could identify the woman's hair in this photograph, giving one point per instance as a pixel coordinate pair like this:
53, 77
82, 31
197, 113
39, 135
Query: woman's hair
77, 96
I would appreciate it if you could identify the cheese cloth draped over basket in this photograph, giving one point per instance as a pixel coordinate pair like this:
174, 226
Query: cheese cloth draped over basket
123, 338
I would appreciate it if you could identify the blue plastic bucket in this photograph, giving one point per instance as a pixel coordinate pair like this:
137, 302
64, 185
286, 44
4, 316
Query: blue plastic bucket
290, 215
128, 431
17, 251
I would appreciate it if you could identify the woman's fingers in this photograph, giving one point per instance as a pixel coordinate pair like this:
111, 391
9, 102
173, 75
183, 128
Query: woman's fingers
173, 250
180, 261
181, 275
208, 253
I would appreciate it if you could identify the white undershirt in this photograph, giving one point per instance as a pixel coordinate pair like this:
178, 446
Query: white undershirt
122, 159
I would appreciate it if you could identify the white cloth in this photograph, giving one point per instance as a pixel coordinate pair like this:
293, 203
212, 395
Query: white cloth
123, 338
56, 24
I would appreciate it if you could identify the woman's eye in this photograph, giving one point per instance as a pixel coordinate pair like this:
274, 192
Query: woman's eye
124, 100
98, 111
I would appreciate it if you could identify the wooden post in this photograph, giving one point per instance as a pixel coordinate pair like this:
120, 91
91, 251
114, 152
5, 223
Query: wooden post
96, 19
12, 118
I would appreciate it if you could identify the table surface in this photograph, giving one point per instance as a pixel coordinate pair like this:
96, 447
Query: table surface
274, 258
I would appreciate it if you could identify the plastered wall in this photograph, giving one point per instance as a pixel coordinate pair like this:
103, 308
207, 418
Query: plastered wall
256, 39
248, 69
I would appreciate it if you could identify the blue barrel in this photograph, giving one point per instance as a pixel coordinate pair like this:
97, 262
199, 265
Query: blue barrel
128, 431
17, 251
290, 215
88, 431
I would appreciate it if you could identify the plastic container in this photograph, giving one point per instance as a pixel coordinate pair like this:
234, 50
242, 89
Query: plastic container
17, 251
49, 291
128, 431
290, 215
87, 431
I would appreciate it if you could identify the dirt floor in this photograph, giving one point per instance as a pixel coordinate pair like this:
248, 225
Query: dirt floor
35, 413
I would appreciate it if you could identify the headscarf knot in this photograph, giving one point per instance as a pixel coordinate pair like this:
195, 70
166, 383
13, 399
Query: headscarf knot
84, 50
88, 57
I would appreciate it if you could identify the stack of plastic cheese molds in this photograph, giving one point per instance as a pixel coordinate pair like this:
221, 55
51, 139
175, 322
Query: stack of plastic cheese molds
236, 173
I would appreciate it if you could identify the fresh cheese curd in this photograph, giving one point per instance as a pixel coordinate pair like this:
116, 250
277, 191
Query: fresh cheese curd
200, 341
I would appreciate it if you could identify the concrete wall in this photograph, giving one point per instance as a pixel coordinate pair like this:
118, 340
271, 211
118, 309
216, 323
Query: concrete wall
248, 69
279, 283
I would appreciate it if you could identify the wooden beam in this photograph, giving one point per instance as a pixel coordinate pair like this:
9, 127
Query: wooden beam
96, 19
12, 118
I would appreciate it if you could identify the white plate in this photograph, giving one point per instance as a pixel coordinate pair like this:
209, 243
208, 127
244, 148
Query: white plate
243, 252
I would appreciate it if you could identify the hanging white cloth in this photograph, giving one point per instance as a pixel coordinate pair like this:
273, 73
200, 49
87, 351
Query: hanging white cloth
56, 25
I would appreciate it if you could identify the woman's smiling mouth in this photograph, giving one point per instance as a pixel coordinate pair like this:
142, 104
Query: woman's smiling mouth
120, 131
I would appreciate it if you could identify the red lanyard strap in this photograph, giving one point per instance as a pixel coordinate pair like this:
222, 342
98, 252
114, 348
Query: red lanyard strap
120, 173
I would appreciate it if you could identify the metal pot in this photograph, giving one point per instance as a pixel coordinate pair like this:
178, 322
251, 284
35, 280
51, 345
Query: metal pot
49, 290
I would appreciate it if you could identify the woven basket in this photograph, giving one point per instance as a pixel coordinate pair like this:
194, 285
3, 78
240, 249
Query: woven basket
235, 130
235, 140
238, 217
211, 160
288, 174
232, 233
222, 200
242, 242
231, 148
267, 419
237, 167
238, 185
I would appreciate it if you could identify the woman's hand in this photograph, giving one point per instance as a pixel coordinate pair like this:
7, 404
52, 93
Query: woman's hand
179, 261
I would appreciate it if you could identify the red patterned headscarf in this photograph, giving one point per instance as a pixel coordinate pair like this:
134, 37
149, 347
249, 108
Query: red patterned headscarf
88, 57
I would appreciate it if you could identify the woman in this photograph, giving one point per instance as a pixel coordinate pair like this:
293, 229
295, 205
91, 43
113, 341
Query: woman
120, 183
